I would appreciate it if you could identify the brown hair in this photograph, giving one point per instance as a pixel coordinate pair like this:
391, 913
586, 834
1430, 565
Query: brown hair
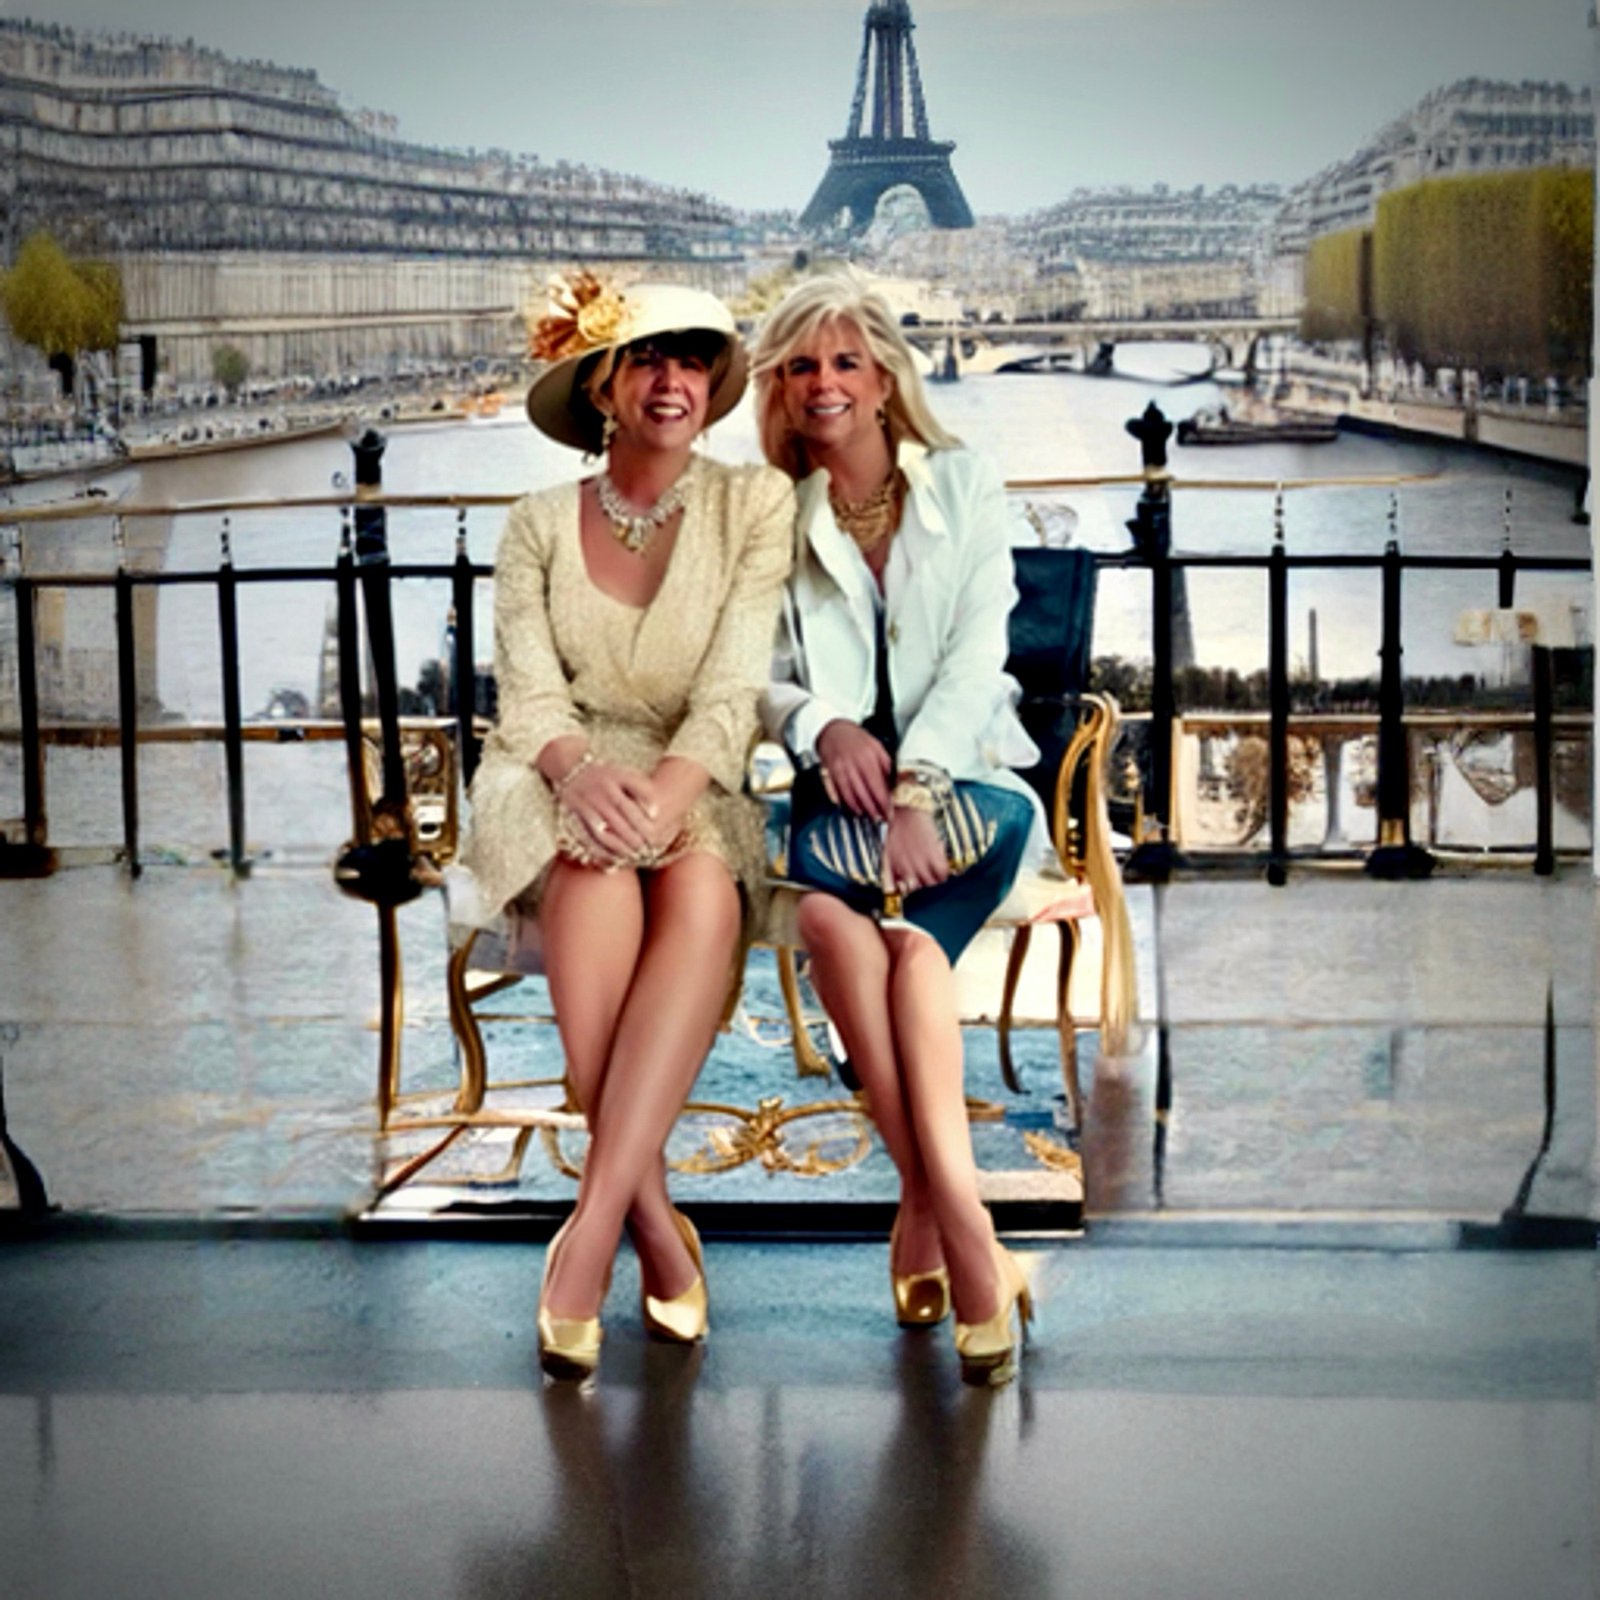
593, 378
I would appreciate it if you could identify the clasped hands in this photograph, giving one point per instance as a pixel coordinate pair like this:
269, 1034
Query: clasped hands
859, 775
621, 816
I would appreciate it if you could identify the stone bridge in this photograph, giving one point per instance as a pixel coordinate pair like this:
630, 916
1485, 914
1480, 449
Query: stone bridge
1233, 341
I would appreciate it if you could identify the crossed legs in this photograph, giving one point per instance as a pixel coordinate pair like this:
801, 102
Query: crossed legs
638, 966
890, 994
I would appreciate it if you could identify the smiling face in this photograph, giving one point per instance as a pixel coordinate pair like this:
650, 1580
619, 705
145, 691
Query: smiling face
659, 392
832, 391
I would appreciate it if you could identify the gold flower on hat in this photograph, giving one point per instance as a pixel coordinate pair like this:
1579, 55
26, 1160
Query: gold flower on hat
600, 322
584, 314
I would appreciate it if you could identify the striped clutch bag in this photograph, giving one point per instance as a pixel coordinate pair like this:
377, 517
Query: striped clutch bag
851, 846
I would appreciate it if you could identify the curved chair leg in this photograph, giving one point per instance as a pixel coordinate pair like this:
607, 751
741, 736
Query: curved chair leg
404, 1173
391, 1012
1070, 936
1008, 999
474, 1060
806, 1059
1118, 983
1119, 999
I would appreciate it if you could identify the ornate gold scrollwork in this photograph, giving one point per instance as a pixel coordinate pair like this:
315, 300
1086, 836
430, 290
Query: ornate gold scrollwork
429, 757
550, 1138
1052, 1154
759, 1135
764, 1134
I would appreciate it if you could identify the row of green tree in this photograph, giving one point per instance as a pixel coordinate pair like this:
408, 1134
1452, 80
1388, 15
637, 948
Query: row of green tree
1492, 272
65, 307
61, 306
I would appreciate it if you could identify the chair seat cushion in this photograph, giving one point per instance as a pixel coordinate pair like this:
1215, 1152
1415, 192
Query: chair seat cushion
506, 941
1044, 897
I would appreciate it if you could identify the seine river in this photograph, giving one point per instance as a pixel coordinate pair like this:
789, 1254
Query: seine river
1032, 425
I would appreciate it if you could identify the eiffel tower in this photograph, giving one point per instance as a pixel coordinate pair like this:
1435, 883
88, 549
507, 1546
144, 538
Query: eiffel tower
863, 166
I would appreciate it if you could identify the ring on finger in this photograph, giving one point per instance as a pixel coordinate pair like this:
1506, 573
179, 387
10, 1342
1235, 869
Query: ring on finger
602, 826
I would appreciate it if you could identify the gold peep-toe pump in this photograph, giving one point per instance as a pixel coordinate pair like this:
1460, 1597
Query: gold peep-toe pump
685, 1318
987, 1350
921, 1299
569, 1347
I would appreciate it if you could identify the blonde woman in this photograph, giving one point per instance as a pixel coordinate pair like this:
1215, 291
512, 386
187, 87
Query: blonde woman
634, 611
889, 690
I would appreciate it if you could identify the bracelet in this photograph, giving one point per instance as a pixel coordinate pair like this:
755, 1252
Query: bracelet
564, 782
912, 795
921, 786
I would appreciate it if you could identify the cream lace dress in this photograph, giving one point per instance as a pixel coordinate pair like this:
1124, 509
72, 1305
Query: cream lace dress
679, 676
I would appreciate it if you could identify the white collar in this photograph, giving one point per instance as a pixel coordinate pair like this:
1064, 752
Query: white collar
913, 459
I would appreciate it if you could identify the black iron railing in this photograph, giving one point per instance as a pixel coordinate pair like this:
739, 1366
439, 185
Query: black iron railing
1395, 855
362, 576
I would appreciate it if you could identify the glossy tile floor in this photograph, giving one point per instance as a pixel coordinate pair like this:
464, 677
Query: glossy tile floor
192, 1420
186, 1044
1270, 1369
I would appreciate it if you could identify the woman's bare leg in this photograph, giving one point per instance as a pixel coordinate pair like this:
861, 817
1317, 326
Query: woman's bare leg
665, 1028
927, 1034
850, 972
592, 924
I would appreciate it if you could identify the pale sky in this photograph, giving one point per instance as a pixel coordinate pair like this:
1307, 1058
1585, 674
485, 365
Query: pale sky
739, 99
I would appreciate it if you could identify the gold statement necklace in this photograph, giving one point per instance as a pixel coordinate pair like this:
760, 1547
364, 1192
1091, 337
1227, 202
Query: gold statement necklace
869, 522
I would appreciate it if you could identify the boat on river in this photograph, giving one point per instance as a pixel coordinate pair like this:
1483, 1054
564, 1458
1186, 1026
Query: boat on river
1216, 425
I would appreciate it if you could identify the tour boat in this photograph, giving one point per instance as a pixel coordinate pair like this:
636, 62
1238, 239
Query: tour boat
1218, 427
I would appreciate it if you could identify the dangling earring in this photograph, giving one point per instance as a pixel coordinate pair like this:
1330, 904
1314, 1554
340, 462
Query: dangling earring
883, 417
608, 430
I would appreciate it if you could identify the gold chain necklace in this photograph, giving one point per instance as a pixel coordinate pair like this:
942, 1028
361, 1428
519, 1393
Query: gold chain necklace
869, 522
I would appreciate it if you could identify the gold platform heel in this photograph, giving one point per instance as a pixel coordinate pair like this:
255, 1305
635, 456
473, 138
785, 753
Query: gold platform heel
569, 1347
921, 1299
987, 1350
686, 1317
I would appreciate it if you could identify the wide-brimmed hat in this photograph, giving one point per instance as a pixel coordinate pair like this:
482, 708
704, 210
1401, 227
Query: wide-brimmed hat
586, 319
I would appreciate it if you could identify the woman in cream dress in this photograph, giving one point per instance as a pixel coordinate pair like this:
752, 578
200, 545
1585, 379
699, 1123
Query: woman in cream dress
634, 615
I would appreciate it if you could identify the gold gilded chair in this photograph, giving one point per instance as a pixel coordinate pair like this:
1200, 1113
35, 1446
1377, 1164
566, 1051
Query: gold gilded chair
489, 955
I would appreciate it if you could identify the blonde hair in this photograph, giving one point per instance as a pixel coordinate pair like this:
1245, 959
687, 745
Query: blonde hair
797, 319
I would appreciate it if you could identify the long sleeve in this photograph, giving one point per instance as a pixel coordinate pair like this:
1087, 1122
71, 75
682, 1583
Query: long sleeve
790, 711
721, 719
536, 703
950, 725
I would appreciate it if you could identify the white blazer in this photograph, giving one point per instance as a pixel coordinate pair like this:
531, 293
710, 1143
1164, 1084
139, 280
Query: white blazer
954, 702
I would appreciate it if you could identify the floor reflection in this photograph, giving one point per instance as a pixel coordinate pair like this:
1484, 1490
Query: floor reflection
664, 1488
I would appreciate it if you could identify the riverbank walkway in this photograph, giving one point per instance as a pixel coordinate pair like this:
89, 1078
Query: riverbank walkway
1295, 1353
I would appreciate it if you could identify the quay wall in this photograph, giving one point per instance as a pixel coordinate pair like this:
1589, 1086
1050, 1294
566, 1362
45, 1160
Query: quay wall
1557, 436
